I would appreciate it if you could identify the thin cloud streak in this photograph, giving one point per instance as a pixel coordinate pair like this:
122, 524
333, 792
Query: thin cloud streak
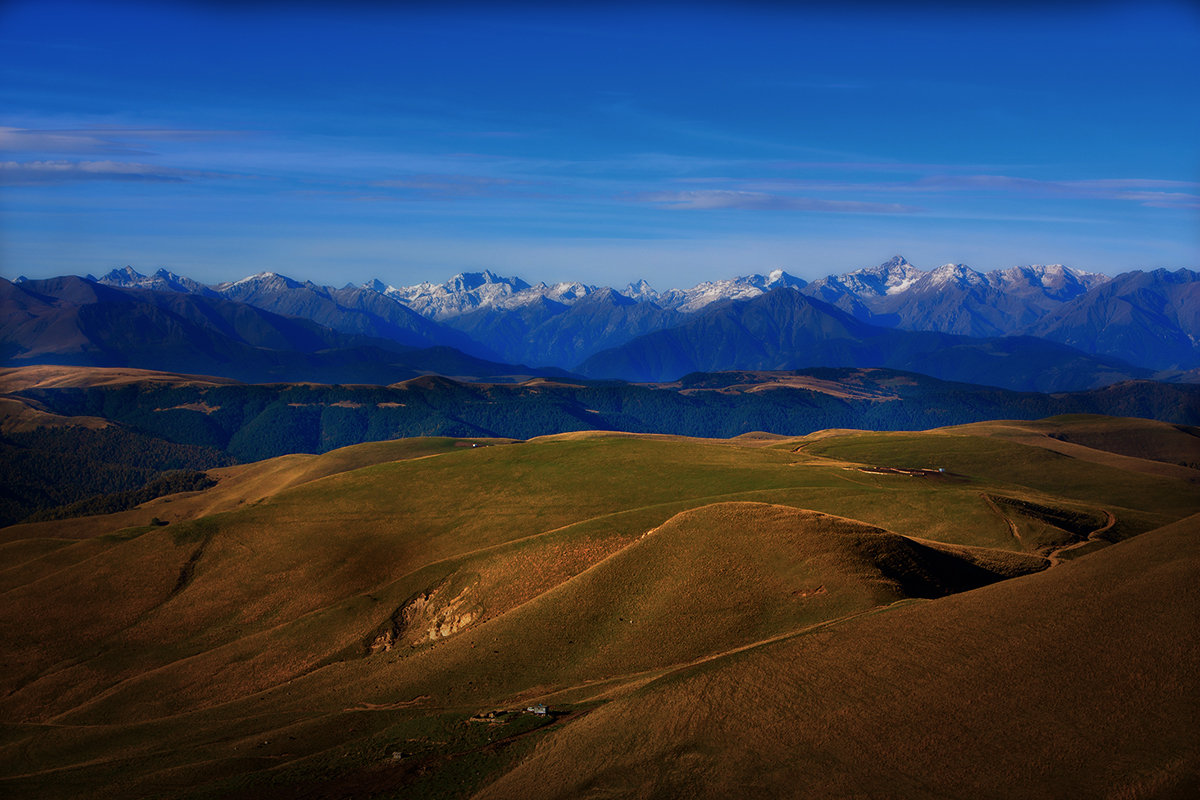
89, 140
710, 199
23, 140
444, 187
1146, 192
24, 173
1150, 192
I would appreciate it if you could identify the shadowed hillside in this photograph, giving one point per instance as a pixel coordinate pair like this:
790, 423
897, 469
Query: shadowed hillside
329, 626
1021, 684
784, 329
73, 321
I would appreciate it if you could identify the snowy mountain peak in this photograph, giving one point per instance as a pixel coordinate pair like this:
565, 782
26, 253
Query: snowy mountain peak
466, 292
777, 278
641, 290
375, 285
958, 274
255, 278
1056, 280
163, 280
893, 276
260, 281
122, 276
740, 288
469, 281
466, 281
568, 291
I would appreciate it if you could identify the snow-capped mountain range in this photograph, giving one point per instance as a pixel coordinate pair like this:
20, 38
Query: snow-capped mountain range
897, 277
563, 324
473, 291
954, 298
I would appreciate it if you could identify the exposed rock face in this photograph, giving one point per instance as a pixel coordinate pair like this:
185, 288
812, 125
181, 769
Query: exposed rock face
436, 613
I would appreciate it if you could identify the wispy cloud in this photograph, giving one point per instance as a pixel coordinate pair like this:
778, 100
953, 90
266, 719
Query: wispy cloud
51, 172
1154, 193
445, 187
706, 199
89, 140
488, 134
1149, 192
24, 140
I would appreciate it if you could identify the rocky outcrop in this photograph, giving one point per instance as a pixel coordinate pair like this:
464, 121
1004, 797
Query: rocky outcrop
440, 611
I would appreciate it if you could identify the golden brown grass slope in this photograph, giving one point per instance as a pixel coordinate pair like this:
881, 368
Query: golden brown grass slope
1171, 450
242, 485
15, 379
1076, 682
18, 415
309, 617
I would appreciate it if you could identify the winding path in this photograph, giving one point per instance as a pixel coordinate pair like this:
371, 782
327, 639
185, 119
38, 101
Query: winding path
1110, 520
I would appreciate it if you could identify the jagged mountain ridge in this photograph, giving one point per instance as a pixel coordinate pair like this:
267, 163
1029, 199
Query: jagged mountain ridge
464, 293
784, 329
566, 323
163, 280
559, 324
547, 331
352, 310
1152, 318
954, 298
75, 321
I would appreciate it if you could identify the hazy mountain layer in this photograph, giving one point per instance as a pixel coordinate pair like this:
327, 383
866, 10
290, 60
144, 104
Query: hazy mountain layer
356, 310
549, 332
787, 330
1147, 319
954, 298
75, 321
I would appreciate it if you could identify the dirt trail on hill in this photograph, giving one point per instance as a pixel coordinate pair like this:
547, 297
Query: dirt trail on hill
1094, 536
635, 680
1012, 526
1055, 555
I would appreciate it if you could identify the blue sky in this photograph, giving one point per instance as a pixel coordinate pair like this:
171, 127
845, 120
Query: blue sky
680, 143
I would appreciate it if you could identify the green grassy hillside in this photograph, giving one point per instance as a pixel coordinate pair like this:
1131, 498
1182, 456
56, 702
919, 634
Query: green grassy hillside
70, 437
295, 627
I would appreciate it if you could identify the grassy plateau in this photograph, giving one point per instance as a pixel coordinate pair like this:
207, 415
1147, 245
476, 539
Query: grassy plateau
989, 610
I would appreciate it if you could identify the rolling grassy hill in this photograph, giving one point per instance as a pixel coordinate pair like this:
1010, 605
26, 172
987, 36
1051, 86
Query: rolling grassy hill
86, 439
328, 625
1019, 688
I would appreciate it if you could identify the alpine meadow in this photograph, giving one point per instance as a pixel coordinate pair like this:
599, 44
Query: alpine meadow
446, 401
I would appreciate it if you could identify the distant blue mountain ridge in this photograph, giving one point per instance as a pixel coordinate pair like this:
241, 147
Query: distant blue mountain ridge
952, 322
